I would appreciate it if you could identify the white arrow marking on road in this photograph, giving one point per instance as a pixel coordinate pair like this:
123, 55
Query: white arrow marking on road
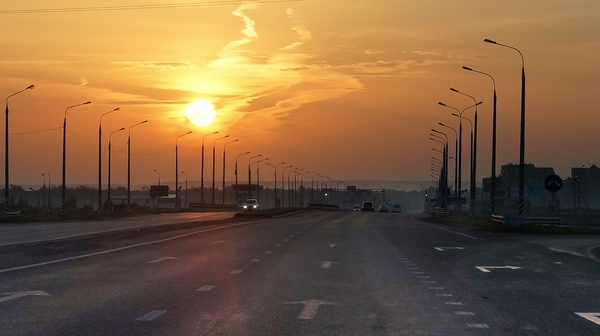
16, 295
592, 317
486, 269
449, 248
327, 264
310, 308
161, 259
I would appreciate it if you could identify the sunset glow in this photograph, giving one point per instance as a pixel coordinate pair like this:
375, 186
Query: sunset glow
201, 113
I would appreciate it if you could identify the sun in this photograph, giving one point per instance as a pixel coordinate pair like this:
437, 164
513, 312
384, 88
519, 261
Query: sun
201, 113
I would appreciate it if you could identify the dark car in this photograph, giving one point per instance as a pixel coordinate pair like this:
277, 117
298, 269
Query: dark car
367, 206
383, 208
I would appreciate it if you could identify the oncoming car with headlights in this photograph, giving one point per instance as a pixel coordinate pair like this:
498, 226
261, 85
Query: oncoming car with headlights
250, 204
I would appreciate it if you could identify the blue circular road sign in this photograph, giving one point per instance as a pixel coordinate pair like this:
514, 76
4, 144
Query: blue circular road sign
553, 183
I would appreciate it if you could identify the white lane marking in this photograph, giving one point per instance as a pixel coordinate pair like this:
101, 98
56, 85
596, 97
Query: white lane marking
422, 277
286, 240
477, 325
435, 227
278, 245
268, 252
206, 288
255, 260
589, 251
592, 317
454, 303
449, 248
16, 295
161, 259
217, 242
418, 272
333, 245
413, 268
486, 269
291, 236
428, 282
121, 248
464, 313
436, 288
327, 264
235, 272
310, 308
564, 251
151, 315
445, 295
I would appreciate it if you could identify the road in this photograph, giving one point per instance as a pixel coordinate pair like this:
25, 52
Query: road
318, 273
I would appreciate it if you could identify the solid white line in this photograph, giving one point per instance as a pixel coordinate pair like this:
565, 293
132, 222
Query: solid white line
151, 315
119, 249
436, 227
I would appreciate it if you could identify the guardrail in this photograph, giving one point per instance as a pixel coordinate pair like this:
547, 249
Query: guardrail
439, 212
525, 220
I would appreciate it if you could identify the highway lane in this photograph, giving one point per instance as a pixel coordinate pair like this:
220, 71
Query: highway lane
320, 273
21, 233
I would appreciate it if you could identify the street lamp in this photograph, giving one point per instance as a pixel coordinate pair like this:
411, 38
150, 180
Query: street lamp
522, 142
473, 178
157, 197
100, 159
275, 169
202, 174
250, 175
227, 143
44, 192
302, 188
312, 188
283, 185
236, 177
186, 188
455, 164
129, 163
213, 167
493, 181
109, 165
258, 178
459, 185
6, 170
177, 169
296, 173
63, 210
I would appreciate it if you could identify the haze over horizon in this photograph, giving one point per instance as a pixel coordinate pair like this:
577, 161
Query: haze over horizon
345, 90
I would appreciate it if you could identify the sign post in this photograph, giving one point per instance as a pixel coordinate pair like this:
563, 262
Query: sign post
553, 184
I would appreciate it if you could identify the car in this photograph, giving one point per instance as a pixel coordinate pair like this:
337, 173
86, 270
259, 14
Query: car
383, 208
397, 208
367, 206
250, 204
356, 207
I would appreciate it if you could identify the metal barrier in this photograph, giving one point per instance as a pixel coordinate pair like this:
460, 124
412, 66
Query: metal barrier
525, 220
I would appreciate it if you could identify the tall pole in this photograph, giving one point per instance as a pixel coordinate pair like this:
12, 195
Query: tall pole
100, 159
283, 184
213, 167
473, 178
63, 210
275, 178
158, 197
109, 166
455, 165
6, 156
227, 143
44, 192
129, 163
250, 175
312, 188
522, 142
202, 173
302, 188
258, 178
186, 188
493, 173
236, 177
177, 169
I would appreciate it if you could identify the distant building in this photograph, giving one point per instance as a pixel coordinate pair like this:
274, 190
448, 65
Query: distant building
535, 190
585, 187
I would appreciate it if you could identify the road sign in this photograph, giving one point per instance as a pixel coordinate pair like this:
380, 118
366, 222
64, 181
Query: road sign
553, 183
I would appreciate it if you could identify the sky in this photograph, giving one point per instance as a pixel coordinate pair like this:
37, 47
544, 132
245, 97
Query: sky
343, 89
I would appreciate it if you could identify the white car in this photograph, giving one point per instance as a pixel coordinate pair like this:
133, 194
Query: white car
250, 204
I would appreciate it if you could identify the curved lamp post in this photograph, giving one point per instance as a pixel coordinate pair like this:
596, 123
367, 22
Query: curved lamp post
455, 163
275, 178
258, 178
522, 142
129, 163
227, 143
109, 166
250, 174
186, 188
302, 188
202, 173
63, 210
6, 166
100, 159
177, 169
213, 167
493, 177
283, 184
236, 177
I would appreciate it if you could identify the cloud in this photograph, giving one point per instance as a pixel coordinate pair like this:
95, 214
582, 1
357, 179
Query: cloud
83, 81
159, 65
298, 26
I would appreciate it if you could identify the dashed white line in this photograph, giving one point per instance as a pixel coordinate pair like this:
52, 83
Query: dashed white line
445, 295
454, 303
235, 272
268, 252
255, 260
205, 288
464, 313
477, 325
151, 315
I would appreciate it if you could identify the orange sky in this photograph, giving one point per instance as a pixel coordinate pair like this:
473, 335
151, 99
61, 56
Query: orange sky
346, 89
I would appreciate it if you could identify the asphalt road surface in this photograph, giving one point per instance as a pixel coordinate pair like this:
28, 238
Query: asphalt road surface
318, 273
